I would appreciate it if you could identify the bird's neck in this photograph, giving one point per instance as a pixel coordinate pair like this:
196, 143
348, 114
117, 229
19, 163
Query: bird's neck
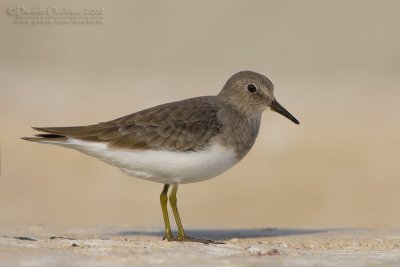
239, 130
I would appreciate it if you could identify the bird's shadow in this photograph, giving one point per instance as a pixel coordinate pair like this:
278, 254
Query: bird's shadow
226, 234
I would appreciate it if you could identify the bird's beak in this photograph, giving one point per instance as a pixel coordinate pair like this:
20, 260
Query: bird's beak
275, 106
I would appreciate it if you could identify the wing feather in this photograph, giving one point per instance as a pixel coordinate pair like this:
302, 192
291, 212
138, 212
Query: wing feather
185, 125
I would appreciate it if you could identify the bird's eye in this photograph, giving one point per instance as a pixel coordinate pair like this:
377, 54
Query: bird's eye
251, 88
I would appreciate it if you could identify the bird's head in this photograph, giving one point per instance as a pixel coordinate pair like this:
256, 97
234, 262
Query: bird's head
251, 92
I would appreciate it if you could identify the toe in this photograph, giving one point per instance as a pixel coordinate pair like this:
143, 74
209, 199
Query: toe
199, 240
169, 238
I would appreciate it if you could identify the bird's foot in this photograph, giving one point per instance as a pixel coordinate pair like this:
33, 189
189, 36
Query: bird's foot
169, 237
190, 239
198, 240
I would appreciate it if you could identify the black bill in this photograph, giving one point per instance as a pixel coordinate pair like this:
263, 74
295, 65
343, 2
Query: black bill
275, 106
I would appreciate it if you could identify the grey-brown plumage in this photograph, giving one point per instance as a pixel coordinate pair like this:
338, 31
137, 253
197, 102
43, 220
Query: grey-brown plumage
184, 125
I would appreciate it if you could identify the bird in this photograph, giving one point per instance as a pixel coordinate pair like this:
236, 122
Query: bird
180, 142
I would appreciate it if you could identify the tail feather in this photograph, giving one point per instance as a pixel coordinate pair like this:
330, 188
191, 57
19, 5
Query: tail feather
89, 131
95, 132
46, 138
49, 135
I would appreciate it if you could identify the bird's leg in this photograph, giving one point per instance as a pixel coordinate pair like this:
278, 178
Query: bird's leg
173, 202
181, 232
164, 200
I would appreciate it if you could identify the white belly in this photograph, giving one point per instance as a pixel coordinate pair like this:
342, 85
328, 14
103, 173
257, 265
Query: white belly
164, 166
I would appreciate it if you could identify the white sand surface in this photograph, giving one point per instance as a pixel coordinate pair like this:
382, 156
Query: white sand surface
111, 246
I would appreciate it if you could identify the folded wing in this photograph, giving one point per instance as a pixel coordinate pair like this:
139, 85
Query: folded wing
185, 125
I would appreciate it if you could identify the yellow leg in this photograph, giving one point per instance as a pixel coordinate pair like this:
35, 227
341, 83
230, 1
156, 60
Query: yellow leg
173, 201
164, 200
181, 232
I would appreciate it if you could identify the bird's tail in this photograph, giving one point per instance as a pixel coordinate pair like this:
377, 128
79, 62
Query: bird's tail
47, 138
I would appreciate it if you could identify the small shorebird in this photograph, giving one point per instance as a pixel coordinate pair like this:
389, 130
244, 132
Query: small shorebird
180, 142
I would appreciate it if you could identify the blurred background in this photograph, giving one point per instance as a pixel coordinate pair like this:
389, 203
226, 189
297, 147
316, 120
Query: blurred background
335, 66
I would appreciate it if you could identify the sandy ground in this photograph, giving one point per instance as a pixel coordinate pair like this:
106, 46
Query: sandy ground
106, 246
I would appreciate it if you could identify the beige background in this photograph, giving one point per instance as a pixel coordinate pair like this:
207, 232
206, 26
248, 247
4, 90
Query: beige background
335, 66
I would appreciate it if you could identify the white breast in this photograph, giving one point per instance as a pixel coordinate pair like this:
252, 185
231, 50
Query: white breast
162, 166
